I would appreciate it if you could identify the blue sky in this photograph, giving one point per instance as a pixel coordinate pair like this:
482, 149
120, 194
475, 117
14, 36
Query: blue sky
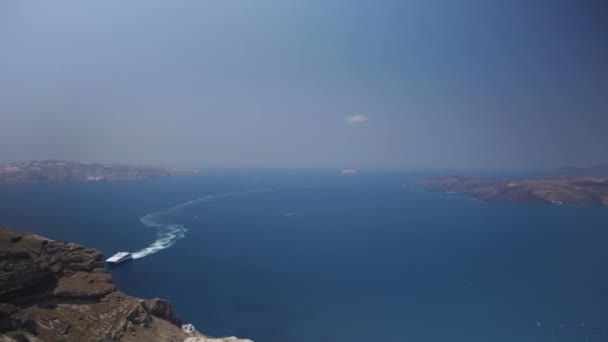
436, 84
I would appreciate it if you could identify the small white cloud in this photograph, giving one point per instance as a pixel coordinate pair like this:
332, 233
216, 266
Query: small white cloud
356, 119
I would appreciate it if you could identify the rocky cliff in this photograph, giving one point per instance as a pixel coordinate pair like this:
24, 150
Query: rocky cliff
59, 291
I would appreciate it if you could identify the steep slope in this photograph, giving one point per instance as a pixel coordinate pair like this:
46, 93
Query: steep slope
60, 291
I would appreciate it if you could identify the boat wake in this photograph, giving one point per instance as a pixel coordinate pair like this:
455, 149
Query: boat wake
167, 234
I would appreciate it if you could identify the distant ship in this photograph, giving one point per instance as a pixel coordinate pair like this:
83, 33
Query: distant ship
119, 257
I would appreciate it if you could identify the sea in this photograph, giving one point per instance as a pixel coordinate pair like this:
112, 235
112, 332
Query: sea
315, 255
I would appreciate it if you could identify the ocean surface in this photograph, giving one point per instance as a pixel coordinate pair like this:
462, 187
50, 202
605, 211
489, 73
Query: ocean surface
319, 256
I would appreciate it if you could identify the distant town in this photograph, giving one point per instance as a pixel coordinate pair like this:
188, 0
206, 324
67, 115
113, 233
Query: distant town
68, 171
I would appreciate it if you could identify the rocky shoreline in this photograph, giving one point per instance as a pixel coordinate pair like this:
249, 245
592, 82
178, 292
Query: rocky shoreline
60, 291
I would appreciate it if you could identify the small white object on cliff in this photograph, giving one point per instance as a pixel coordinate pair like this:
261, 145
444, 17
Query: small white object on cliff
350, 172
188, 328
207, 339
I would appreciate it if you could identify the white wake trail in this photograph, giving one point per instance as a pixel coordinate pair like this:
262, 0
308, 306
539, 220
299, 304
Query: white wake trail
167, 234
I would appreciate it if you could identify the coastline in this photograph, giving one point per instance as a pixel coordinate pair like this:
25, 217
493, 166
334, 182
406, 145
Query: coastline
569, 191
60, 291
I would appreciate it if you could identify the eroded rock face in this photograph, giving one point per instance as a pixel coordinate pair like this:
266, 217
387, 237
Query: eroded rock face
59, 291
84, 285
163, 309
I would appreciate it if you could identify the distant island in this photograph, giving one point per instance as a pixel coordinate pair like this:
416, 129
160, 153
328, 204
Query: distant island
576, 186
67, 171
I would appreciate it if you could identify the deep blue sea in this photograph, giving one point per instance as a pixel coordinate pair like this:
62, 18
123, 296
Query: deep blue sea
295, 256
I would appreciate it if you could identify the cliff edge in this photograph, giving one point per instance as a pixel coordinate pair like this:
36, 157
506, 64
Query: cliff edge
60, 291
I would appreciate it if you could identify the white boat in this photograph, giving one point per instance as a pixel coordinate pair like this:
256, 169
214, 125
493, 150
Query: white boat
119, 257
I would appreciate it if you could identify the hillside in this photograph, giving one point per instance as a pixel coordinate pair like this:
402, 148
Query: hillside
60, 291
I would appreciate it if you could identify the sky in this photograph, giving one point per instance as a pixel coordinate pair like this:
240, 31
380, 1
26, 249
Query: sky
306, 83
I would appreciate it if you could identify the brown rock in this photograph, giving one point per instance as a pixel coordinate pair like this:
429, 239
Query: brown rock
163, 309
59, 291
85, 285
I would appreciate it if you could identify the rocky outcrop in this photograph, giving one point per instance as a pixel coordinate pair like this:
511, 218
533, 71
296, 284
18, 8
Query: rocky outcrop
84, 285
59, 291
163, 309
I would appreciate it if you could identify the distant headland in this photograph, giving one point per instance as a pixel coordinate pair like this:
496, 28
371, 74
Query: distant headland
38, 171
568, 185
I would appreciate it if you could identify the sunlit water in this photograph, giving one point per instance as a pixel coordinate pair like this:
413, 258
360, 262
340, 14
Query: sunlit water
303, 256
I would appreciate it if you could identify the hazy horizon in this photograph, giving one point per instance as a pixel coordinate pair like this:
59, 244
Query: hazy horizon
438, 170
306, 84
